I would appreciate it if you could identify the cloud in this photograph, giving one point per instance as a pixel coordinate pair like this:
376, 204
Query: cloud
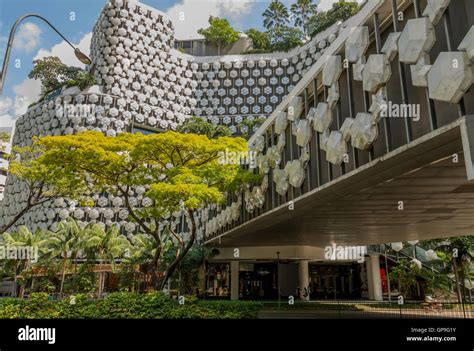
26, 93
7, 121
66, 53
325, 5
6, 104
28, 37
235, 8
190, 15
28, 90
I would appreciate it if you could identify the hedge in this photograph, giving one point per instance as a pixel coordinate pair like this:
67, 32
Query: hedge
125, 305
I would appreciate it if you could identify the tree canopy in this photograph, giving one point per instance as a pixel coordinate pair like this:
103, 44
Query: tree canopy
260, 41
180, 172
281, 35
43, 182
302, 11
286, 38
276, 15
4, 137
219, 33
340, 11
54, 74
198, 125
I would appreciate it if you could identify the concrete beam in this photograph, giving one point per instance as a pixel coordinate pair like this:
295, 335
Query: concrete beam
467, 136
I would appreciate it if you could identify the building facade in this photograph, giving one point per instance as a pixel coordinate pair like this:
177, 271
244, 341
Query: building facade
145, 85
5, 149
312, 123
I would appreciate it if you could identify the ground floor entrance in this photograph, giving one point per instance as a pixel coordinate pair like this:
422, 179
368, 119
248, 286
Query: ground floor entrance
335, 281
272, 280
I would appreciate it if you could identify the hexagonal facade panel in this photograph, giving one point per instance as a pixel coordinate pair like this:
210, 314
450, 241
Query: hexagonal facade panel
303, 132
295, 173
450, 77
364, 131
295, 108
336, 148
467, 44
419, 72
322, 119
332, 70
357, 44
435, 9
390, 48
417, 38
377, 72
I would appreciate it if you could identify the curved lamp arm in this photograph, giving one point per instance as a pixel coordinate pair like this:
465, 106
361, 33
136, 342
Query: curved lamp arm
79, 54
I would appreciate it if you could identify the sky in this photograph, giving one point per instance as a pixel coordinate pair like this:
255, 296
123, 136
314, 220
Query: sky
76, 18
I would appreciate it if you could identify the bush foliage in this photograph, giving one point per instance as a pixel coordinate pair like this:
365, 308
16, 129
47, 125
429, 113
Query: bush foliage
124, 305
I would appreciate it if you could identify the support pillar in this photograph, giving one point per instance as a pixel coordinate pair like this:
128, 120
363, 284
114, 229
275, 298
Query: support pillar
234, 280
303, 277
373, 278
370, 281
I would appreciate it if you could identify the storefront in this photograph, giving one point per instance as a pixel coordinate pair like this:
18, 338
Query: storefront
256, 280
334, 280
218, 281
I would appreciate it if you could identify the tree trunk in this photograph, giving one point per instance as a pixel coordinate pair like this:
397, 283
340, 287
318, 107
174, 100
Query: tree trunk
178, 260
63, 277
101, 274
155, 266
15, 280
99, 290
456, 277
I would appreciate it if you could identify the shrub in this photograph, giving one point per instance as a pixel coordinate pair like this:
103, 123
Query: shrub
125, 305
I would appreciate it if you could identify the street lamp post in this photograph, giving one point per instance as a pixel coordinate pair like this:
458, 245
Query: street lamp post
79, 54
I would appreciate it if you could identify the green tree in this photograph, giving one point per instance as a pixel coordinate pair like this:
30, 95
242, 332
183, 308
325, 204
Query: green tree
179, 172
35, 242
457, 255
405, 273
340, 11
247, 126
302, 10
142, 253
65, 244
198, 125
42, 182
4, 137
109, 245
285, 38
54, 74
187, 275
219, 33
276, 15
260, 41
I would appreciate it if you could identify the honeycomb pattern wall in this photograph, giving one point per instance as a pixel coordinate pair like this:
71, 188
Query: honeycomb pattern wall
143, 81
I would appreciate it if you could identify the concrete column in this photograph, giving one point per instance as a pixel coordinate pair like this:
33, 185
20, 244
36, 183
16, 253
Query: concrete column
234, 280
303, 276
370, 281
373, 278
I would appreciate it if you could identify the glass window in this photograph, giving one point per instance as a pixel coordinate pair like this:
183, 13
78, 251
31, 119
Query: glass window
145, 130
188, 44
218, 280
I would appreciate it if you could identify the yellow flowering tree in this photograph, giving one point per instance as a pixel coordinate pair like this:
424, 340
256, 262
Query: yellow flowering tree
42, 182
180, 172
